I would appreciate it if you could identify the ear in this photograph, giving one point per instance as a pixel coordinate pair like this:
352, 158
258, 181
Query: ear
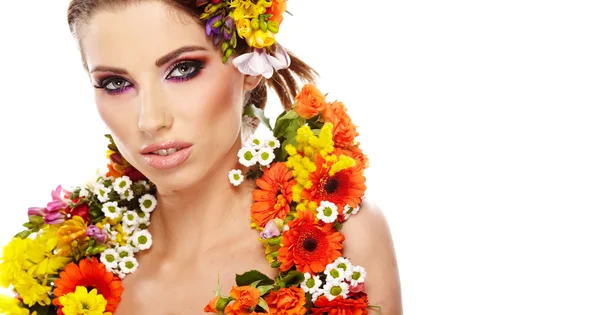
251, 82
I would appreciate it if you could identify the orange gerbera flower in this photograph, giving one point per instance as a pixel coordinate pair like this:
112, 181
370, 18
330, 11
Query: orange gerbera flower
309, 102
308, 245
274, 196
341, 306
344, 130
346, 187
90, 274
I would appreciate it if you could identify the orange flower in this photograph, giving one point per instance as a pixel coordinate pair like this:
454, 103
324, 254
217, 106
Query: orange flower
90, 274
344, 130
211, 307
245, 297
346, 187
309, 102
274, 197
340, 306
277, 9
362, 161
286, 301
308, 245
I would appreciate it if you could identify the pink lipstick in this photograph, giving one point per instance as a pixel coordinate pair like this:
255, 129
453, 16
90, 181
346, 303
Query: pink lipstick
166, 155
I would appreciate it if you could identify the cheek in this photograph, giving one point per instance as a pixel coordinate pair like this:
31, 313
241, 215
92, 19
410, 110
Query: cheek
120, 119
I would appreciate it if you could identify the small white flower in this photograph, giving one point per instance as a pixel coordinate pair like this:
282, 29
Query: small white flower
333, 290
317, 293
265, 156
147, 203
255, 143
236, 177
327, 212
83, 192
144, 218
121, 184
124, 251
142, 239
128, 265
145, 183
130, 229
335, 275
121, 274
344, 264
247, 156
348, 211
358, 275
130, 218
110, 258
127, 194
111, 210
311, 284
102, 192
272, 143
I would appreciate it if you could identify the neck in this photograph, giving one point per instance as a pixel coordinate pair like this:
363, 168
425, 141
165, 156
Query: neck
199, 218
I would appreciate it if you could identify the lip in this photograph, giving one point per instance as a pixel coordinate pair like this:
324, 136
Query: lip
169, 161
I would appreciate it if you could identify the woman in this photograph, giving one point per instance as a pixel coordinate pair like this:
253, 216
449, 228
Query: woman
174, 103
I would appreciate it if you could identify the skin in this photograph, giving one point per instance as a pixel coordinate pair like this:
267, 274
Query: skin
199, 228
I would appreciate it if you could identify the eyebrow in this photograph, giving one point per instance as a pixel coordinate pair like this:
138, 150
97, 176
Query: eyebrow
159, 62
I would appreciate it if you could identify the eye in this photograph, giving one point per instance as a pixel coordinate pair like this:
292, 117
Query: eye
113, 85
185, 70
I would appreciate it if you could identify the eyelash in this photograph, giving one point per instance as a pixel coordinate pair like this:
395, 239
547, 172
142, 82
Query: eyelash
197, 65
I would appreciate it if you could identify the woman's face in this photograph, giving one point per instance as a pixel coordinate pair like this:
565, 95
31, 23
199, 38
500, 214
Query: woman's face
161, 86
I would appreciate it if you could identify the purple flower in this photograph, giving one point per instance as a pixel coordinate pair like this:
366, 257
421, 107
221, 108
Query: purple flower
57, 202
54, 218
213, 30
271, 230
96, 233
36, 211
229, 26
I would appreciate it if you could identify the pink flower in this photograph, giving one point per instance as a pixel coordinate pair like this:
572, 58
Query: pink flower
96, 233
271, 230
259, 62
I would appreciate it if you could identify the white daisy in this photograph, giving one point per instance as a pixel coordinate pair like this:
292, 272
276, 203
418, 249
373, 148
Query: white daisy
316, 295
333, 290
311, 284
147, 203
335, 275
344, 264
348, 211
130, 229
272, 143
111, 210
127, 194
121, 274
327, 212
265, 156
358, 275
124, 251
145, 183
144, 218
130, 218
102, 192
121, 184
247, 156
236, 177
110, 258
128, 265
142, 239
255, 143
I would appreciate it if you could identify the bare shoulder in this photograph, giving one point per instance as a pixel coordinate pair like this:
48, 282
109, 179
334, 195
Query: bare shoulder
369, 244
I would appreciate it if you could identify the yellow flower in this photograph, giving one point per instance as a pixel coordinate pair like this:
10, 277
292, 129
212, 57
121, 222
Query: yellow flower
12, 261
12, 306
40, 253
72, 230
261, 39
31, 290
248, 9
81, 302
243, 28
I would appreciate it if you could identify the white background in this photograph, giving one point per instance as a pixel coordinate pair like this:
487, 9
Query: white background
481, 119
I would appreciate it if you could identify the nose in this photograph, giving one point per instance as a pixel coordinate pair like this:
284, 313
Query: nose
154, 114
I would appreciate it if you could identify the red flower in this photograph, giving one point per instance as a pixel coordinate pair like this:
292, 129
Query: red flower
90, 274
81, 210
341, 306
308, 245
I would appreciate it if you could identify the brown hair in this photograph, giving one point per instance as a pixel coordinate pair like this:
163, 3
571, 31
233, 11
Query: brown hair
284, 82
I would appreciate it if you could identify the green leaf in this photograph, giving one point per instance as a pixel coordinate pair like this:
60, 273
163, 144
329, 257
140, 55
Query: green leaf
293, 278
23, 234
262, 303
252, 276
253, 111
28, 225
264, 289
283, 121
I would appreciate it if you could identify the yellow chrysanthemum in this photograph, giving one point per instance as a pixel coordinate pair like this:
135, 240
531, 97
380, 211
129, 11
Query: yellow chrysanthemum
31, 290
12, 306
12, 261
249, 9
41, 259
82, 302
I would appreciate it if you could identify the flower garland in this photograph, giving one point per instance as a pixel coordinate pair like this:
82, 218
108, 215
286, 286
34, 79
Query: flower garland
256, 22
74, 252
